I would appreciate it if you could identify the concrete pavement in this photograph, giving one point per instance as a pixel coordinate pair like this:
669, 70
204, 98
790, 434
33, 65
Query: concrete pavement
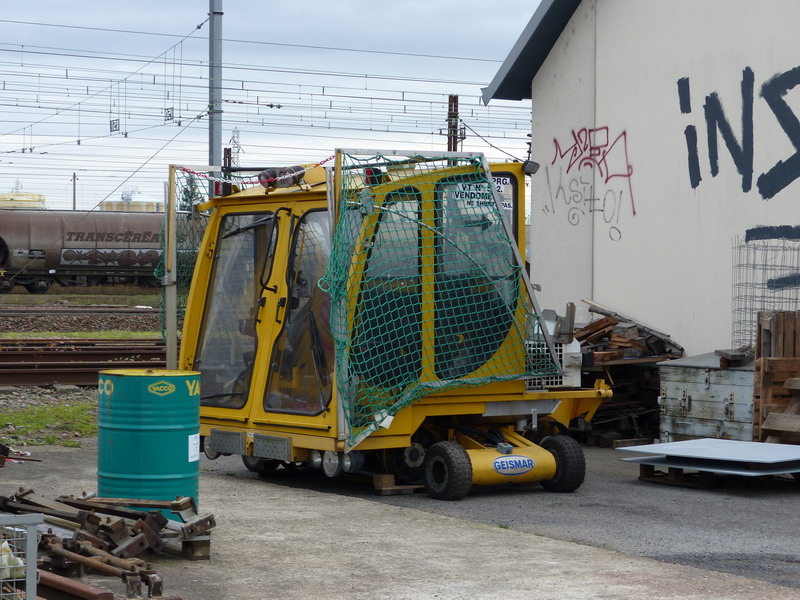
273, 541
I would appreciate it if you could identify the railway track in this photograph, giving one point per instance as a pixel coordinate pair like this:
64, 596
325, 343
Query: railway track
74, 361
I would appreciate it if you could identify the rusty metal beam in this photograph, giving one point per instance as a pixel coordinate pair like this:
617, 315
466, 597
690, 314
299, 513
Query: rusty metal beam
51, 584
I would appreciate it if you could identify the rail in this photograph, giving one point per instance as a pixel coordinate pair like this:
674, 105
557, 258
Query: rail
75, 362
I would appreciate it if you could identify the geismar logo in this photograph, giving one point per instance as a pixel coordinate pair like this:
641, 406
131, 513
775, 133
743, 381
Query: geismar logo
161, 388
512, 464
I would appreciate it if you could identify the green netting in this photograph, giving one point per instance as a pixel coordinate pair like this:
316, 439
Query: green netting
190, 227
426, 293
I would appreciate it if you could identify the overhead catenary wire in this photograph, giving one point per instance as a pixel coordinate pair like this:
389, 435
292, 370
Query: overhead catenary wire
255, 42
131, 74
279, 111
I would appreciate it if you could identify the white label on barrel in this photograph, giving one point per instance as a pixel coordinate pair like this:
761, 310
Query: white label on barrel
194, 447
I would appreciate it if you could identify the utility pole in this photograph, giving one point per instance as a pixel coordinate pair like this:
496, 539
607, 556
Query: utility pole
452, 123
74, 193
215, 84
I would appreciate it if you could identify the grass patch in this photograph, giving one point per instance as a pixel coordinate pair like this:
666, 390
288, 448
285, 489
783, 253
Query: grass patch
80, 335
74, 297
59, 424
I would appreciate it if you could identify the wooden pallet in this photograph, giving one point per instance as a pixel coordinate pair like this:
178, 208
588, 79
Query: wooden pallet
775, 404
771, 396
778, 334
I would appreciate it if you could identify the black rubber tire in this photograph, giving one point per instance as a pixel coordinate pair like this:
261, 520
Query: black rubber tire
447, 471
260, 465
570, 464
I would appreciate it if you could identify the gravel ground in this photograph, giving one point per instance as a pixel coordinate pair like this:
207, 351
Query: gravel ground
89, 322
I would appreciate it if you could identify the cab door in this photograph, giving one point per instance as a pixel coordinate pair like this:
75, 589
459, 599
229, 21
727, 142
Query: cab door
241, 287
300, 355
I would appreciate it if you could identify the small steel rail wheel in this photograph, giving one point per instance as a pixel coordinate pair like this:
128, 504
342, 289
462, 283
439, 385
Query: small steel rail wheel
40, 286
570, 464
447, 471
260, 465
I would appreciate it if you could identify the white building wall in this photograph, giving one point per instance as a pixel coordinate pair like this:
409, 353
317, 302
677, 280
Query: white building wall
662, 242
560, 235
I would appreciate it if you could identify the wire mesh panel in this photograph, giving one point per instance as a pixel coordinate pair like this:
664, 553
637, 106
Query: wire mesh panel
191, 188
426, 293
766, 276
18, 542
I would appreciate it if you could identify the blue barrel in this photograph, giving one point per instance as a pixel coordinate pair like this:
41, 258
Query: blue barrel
148, 434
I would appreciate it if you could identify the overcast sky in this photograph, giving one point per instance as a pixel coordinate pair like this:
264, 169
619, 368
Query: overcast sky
299, 81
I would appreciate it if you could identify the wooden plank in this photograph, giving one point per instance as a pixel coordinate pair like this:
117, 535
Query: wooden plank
793, 408
771, 407
789, 366
765, 325
384, 485
793, 383
592, 328
780, 423
606, 356
764, 347
777, 336
624, 342
597, 335
796, 334
789, 326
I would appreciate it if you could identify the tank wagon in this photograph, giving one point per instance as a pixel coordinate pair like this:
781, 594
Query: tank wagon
41, 247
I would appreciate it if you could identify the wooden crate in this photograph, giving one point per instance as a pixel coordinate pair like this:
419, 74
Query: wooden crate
770, 395
778, 334
701, 399
777, 360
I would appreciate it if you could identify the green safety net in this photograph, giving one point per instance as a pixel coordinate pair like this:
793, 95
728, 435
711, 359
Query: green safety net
426, 293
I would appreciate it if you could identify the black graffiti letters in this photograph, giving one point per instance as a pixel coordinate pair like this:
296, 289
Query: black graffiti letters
741, 150
742, 154
690, 133
785, 171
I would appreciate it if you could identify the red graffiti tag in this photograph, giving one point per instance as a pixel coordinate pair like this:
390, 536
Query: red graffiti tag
591, 148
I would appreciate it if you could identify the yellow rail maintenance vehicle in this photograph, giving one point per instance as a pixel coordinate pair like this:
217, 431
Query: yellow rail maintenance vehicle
376, 317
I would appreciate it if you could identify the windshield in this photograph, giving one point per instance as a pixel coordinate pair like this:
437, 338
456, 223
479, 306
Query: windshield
227, 345
477, 281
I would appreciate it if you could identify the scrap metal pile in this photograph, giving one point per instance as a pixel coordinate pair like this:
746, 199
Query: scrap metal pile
109, 535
